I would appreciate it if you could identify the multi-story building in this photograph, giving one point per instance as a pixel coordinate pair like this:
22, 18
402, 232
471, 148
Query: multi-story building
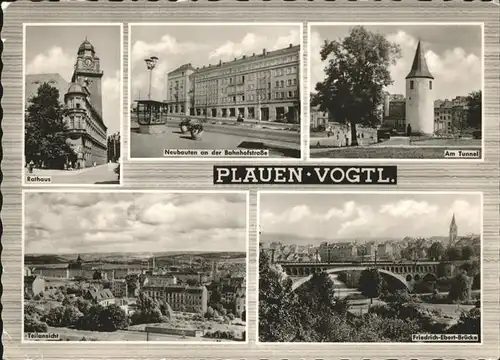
33, 285
450, 116
385, 251
319, 118
180, 297
73, 269
179, 90
261, 86
119, 288
366, 252
160, 280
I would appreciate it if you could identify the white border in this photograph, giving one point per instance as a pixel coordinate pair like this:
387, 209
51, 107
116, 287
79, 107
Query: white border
23, 170
303, 122
401, 160
382, 193
181, 192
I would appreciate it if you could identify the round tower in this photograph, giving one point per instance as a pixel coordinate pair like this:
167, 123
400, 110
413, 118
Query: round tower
420, 96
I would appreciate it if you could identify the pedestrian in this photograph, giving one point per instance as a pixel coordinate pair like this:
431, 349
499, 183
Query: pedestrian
30, 166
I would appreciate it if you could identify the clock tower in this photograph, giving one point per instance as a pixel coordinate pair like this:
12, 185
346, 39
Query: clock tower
88, 74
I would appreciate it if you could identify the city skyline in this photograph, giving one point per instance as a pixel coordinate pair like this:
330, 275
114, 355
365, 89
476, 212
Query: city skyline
73, 222
310, 218
53, 49
201, 45
453, 53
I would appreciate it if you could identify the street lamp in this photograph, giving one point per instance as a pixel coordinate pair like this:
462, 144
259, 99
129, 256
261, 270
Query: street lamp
150, 63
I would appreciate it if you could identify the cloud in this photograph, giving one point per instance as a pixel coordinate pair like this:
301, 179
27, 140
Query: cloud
358, 220
108, 222
55, 60
253, 43
111, 101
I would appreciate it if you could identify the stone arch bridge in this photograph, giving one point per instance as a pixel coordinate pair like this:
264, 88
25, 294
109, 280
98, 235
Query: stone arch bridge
407, 273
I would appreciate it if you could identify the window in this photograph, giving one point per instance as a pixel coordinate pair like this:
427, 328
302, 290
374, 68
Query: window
282, 83
430, 84
411, 84
277, 95
277, 84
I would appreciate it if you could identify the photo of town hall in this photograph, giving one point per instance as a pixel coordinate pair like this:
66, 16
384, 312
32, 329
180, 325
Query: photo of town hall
238, 90
135, 266
72, 104
419, 96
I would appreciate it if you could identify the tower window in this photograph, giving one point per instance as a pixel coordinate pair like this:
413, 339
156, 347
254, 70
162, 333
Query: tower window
411, 84
430, 84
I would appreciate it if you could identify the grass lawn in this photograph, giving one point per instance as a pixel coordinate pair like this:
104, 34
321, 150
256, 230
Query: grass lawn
383, 153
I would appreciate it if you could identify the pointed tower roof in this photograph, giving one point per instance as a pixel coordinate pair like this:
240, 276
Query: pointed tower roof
453, 222
419, 68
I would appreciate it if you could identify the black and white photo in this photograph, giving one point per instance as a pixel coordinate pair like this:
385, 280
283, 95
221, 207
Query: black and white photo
384, 267
135, 266
401, 91
215, 90
72, 104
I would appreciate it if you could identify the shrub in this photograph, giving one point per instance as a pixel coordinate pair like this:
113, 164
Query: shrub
70, 316
112, 318
55, 317
32, 324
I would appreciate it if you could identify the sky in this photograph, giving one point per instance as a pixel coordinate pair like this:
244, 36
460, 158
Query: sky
53, 49
98, 222
453, 54
338, 216
199, 45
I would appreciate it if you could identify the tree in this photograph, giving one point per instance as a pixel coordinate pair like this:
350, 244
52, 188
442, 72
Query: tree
467, 252
436, 251
83, 305
55, 316
277, 302
459, 288
370, 283
215, 296
210, 313
192, 282
356, 72
453, 253
45, 130
71, 315
32, 324
474, 111
97, 275
112, 318
166, 310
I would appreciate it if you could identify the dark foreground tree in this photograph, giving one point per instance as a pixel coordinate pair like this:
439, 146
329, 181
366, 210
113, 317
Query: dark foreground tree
356, 72
474, 111
459, 288
45, 131
370, 283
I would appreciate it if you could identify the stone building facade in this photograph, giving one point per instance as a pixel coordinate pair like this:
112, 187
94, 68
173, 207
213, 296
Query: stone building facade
87, 133
261, 86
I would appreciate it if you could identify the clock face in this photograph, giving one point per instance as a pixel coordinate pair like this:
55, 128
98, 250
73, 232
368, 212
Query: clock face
88, 62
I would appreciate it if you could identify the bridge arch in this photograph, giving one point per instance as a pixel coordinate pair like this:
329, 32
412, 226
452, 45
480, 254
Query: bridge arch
400, 278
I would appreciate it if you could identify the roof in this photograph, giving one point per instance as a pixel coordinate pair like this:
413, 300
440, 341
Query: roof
86, 45
30, 279
52, 266
419, 68
291, 48
153, 102
99, 295
75, 88
33, 81
181, 68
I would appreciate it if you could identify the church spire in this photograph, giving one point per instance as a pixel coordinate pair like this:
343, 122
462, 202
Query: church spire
419, 68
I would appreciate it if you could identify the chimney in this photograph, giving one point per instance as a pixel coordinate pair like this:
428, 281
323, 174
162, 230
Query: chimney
290, 46
220, 62
264, 52
244, 56
253, 54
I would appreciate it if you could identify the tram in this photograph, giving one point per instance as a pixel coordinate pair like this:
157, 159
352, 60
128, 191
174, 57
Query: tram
151, 116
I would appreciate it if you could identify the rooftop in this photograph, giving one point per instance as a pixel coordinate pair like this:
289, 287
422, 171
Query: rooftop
419, 67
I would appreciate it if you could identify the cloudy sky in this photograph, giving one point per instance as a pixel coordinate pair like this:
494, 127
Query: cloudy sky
199, 45
53, 49
453, 54
364, 216
58, 223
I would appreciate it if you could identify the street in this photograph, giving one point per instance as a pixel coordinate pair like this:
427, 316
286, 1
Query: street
101, 174
280, 143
